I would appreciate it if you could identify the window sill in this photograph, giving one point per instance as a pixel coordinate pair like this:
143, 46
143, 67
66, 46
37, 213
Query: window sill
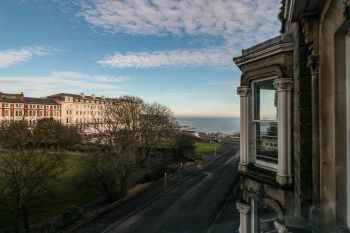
263, 175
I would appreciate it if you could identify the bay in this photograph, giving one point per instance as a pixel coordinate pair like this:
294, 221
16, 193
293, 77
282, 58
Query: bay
224, 125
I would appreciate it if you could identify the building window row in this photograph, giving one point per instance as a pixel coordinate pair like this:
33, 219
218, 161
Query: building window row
18, 113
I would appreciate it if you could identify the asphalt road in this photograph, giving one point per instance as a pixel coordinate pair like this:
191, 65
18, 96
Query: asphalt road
192, 206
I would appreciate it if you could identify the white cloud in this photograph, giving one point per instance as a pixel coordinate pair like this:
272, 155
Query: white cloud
191, 17
205, 57
13, 56
240, 23
63, 81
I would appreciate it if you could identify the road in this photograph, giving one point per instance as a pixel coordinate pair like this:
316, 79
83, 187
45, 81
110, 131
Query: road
188, 206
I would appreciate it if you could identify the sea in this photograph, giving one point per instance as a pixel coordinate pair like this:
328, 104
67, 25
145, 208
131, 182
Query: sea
224, 125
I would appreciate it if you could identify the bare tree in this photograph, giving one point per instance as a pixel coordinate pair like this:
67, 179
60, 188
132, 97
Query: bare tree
140, 125
117, 124
109, 170
157, 125
127, 125
26, 173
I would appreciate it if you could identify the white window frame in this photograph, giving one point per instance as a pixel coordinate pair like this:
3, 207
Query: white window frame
259, 163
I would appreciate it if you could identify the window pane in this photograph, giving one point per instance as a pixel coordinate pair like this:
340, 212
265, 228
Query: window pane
266, 141
265, 103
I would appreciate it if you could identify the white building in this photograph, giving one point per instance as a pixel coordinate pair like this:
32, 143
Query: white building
81, 110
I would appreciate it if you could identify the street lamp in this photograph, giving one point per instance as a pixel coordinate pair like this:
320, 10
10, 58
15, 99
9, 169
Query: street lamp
215, 148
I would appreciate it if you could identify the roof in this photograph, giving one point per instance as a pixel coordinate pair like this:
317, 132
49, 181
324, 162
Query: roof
31, 100
281, 43
64, 94
81, 97
266, 44
19, 98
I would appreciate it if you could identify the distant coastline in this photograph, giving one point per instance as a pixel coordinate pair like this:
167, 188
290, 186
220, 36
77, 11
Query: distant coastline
227, 125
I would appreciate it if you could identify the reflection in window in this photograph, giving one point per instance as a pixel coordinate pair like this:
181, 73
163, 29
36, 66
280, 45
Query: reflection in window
265, 122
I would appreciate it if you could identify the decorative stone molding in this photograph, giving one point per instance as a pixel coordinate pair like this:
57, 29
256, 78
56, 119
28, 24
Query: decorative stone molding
243, 208
243, 91
310, 28
314, 64
256, 188
263, 72
346, 12
281, 228
283, 84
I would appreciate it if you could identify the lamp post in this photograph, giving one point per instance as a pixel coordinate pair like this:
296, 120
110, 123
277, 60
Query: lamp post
165, 180
215, 147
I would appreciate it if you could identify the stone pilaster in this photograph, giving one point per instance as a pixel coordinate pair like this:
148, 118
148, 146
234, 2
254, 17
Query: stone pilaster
313, 64
243, 92
244, 220
284, 172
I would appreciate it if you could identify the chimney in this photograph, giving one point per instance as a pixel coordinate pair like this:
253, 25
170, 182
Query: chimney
93, 96
102, 97
82, 95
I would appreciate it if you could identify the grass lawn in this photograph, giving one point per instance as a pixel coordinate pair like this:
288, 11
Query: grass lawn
205, 148
67, 191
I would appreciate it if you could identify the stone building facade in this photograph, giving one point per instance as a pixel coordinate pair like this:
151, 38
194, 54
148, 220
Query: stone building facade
83, 111
295, 89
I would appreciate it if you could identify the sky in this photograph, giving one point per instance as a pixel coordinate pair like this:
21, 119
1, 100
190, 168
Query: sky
175, 52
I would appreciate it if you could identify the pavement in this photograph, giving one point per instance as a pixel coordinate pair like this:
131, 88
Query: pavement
194, 201
228, 219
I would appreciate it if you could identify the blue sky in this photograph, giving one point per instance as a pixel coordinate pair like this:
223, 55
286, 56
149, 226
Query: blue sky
178, 53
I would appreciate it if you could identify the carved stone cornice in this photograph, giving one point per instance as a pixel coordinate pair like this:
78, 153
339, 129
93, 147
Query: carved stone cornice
243, 208
314, 64
243, 91
346, 12
283, 84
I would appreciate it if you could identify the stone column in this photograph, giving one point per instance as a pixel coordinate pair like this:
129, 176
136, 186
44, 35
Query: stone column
284, 171
244, 220
243, 92
254, 216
